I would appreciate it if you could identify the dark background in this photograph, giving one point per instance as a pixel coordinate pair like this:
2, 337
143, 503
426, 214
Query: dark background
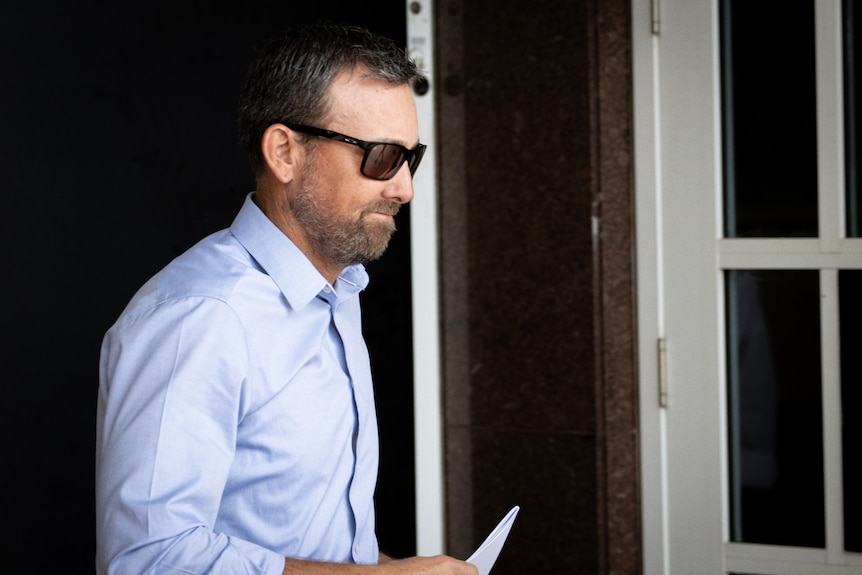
118, 152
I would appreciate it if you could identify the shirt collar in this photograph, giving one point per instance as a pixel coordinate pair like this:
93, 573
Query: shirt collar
293, 273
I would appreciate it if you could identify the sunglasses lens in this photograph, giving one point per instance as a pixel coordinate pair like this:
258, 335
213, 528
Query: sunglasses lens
416, 157
383, 160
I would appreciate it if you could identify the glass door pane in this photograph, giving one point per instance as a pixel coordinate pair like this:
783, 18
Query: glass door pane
770, 123
850, 310
774, 399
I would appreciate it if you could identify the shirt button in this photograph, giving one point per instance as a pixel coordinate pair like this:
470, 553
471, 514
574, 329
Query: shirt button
356, 551
326, 289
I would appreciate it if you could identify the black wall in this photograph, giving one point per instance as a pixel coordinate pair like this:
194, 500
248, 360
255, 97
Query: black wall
117, 152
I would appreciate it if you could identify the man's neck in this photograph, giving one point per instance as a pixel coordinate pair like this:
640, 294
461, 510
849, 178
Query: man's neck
281, 216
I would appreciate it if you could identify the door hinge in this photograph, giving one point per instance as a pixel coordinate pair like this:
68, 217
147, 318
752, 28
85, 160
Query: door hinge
662, 372
655, 12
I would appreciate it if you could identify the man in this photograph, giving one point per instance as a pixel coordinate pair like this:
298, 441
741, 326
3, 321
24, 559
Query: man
236, 425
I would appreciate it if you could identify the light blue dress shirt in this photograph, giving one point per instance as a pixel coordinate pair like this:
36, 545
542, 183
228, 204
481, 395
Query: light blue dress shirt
236, 422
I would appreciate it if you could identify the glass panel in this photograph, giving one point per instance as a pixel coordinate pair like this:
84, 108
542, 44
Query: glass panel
775, 421
770, 119
850, 288
852, 113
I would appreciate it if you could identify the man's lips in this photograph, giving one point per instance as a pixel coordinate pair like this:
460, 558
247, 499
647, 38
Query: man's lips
389, 209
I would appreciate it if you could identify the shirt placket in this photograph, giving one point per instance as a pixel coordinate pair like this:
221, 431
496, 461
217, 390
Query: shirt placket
346, 320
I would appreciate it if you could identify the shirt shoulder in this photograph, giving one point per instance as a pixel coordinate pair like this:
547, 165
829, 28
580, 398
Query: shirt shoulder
214, 268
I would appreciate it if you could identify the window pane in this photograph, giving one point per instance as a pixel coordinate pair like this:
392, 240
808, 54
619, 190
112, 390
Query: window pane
852, 113
775, 422
770, 139
850, 286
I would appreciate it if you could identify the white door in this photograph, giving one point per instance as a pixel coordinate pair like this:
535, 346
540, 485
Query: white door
427, 412
749, 272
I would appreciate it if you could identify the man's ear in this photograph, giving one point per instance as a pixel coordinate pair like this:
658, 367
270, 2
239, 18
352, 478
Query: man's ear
281, 152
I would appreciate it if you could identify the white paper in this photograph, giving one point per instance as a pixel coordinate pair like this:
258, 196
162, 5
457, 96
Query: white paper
486, 555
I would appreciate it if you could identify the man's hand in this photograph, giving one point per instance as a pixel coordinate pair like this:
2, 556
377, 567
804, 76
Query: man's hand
437, 565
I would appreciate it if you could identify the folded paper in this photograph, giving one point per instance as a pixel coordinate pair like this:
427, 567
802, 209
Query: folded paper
486, 555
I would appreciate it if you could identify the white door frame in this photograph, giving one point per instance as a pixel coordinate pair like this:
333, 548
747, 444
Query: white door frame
679, 411
427, 410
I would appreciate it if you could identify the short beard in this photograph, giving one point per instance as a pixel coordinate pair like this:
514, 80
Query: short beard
337, 239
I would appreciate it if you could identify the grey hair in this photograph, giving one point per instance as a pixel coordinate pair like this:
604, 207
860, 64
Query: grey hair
289, 79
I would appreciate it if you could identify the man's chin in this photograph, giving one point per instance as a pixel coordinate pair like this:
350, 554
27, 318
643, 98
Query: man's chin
377, 242
379, 228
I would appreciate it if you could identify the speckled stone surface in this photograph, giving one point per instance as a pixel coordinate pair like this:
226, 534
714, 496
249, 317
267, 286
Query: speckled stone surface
535, 162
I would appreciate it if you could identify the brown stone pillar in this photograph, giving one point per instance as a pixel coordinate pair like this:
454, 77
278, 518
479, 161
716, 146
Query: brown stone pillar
537, 268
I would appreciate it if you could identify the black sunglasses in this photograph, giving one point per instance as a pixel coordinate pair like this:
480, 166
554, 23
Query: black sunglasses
381, 161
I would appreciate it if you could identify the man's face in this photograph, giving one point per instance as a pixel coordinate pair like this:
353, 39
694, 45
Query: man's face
347, 217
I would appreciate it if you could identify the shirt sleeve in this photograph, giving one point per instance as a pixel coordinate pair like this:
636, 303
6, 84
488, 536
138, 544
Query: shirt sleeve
170, 399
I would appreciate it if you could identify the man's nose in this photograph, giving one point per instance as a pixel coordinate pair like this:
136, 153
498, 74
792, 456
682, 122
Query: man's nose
400, 188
